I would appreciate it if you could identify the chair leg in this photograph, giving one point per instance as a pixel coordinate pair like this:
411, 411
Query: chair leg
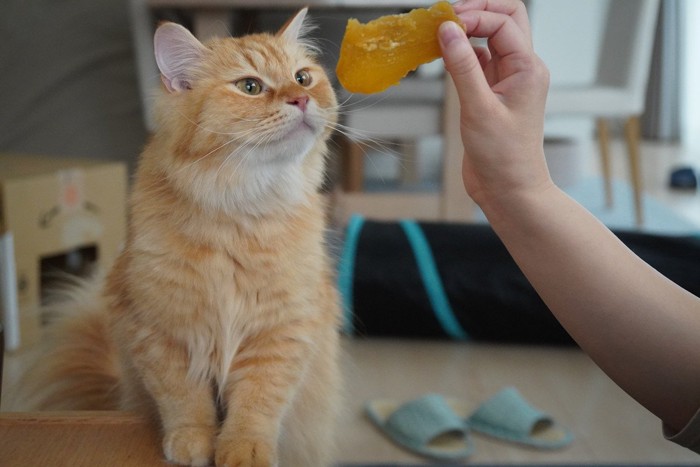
604, 145
632, 135
353, 166
408, 163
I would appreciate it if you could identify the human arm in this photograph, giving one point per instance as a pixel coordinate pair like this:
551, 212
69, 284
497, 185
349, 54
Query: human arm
639, 327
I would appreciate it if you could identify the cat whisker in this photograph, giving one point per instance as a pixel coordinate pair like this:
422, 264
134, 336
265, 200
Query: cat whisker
239, 154
236, 153
325, 40
244, 158
352, 103
188, 165
370, 144
216, 149
231, 133
361, 137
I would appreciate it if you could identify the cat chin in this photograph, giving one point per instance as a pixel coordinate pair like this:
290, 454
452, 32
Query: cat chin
292, 148
266, 191
259, 179
268, 180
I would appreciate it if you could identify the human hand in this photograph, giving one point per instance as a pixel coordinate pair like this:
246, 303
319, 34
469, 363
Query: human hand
502, 91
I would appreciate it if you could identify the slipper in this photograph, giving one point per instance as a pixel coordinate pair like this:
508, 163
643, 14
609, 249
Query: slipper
428, 426
508, 416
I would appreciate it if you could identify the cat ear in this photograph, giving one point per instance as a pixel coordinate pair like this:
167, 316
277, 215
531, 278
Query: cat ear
178, 54
294, 29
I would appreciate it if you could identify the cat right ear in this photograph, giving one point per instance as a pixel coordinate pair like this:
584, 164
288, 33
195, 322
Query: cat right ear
178, 55
295, 28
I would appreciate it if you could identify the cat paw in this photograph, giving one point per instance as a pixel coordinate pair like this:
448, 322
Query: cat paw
190, 445
244, 453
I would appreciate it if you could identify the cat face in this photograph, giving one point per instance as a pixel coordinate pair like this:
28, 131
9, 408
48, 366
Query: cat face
247, 115
265, 93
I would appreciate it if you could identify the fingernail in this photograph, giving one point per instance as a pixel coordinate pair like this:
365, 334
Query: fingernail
449, 31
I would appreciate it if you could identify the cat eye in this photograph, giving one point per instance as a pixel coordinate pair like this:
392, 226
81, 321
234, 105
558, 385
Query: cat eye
303, 77
249, 86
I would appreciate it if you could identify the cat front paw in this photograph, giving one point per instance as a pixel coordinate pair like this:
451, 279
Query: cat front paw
244, 453
190, 445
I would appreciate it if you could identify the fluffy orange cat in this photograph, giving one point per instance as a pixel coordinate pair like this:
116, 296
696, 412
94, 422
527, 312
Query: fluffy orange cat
220, 318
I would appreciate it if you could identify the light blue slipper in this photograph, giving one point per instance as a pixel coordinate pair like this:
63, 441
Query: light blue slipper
428, 426
508, 416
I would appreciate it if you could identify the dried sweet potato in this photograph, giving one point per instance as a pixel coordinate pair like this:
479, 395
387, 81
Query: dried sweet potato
378, 54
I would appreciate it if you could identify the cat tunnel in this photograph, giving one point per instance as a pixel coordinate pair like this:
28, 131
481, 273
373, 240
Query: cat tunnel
457, 281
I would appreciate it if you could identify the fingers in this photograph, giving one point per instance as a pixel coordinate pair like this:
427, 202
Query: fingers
484, 55
505, 36
513, 8
504, 23
463, 64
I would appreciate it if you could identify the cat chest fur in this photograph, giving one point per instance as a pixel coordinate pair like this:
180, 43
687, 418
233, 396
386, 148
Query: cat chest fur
261, 296
207, 302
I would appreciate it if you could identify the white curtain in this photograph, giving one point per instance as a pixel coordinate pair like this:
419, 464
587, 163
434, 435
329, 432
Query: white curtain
663, 113
690, 75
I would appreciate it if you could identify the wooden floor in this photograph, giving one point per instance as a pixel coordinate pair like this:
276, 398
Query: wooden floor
609, 427
657, 161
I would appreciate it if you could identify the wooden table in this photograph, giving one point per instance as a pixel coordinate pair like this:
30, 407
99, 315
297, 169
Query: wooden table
76, 439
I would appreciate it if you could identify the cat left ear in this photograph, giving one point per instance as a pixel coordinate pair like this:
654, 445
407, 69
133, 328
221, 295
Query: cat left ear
294, 28
178, 55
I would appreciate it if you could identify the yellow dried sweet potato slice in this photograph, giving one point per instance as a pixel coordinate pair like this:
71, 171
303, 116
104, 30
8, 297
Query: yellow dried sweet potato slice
378, 54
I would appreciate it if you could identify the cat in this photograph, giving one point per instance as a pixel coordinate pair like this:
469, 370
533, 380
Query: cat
219, 319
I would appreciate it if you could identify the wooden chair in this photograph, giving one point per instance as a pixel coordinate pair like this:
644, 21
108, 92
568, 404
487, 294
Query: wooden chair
419, 107
619, 89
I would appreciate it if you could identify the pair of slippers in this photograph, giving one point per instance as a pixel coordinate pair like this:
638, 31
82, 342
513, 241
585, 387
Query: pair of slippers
438, 428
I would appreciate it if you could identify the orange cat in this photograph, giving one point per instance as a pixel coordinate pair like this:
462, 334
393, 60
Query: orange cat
220, 317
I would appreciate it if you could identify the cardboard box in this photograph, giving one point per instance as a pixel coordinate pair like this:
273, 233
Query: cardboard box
55, 211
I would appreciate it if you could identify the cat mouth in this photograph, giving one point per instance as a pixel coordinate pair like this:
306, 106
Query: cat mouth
301, 126
297, 128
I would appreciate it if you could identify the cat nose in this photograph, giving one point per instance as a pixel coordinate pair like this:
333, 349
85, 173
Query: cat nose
299, 101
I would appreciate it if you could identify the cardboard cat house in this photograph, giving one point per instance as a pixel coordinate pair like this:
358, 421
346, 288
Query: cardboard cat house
56, 215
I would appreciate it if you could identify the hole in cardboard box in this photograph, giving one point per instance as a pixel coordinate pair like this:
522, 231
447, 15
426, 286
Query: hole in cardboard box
57, 270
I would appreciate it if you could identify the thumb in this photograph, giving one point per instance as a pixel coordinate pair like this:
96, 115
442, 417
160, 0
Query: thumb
462, 62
